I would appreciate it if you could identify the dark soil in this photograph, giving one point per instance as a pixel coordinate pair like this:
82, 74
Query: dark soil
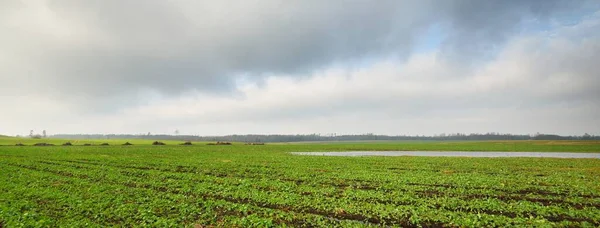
157, 143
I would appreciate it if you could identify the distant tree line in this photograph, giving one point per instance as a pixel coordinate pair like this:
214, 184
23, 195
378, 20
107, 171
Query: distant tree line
331, 137
37, 136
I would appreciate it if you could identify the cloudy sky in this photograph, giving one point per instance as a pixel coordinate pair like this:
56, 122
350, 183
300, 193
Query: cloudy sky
311, 66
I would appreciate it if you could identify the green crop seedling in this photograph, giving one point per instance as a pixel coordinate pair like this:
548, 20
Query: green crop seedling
241, 186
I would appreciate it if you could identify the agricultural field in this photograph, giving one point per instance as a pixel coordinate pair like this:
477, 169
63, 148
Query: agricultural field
11, 141
264, 186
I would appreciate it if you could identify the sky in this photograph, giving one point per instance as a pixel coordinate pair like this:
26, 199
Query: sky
396, 67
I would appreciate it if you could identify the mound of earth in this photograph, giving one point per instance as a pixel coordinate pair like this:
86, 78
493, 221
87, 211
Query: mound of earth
43, 144
219, 143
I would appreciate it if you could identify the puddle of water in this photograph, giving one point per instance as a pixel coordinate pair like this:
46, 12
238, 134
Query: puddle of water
481, 154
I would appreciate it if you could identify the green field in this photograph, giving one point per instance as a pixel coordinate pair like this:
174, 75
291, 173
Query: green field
263, 186
524, 145
11, 141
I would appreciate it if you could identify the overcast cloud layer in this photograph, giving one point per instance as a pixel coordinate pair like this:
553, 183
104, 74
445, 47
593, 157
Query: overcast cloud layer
265, 66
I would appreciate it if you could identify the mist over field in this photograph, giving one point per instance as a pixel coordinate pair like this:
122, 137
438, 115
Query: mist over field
268, 67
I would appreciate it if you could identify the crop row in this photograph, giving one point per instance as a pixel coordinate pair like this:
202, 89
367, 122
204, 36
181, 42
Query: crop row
411, 189
245, 186
104, 203
350, 203
534, 192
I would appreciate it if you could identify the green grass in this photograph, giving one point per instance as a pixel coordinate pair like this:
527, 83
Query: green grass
524, 145
533, 146
29, 141
262, 186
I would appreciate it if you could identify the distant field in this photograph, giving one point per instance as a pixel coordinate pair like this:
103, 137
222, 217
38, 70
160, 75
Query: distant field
262, 186
524, 145
30, 141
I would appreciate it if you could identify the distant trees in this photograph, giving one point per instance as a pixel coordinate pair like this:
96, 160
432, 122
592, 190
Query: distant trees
36, 136
331, 137
31, 135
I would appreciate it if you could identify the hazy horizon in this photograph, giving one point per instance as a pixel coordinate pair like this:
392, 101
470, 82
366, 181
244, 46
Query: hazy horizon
264, 67
173, 134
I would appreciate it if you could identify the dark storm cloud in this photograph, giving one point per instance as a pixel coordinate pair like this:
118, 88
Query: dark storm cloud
206, 55
180, 46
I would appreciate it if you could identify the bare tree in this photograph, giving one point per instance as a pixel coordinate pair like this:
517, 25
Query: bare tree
177, 132
31, 135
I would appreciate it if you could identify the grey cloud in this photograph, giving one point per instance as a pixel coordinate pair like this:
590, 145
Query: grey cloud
532, 73
477, 29
183, 46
